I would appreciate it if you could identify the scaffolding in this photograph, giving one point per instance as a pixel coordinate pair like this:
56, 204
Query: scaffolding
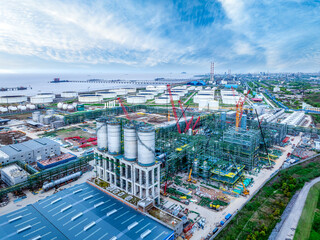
243, 145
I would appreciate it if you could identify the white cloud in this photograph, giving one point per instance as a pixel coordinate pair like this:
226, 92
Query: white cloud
77, 33
243, 48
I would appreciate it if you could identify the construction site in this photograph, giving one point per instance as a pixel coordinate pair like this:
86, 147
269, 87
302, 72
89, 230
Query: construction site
186, 168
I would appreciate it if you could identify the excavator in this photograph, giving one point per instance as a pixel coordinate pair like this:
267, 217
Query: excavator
190, 179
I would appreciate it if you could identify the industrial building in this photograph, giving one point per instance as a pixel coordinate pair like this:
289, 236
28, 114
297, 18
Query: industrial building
13, 174
30, 151
99, 216
295, 119
134, 170
13, 99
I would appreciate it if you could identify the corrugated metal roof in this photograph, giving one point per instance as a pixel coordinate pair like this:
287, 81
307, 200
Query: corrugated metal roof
75, 215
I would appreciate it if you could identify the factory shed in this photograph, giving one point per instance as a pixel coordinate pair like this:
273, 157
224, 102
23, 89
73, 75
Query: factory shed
81, 212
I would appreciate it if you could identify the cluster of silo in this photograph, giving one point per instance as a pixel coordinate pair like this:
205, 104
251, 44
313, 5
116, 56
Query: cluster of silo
139, 142
48, 118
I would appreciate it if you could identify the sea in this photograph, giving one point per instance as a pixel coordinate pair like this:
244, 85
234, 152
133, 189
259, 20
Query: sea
40, 83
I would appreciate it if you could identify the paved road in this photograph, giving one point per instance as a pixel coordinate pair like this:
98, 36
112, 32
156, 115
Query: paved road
289, 226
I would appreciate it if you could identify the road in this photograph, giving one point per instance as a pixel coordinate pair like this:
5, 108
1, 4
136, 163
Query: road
289, 226
259, 181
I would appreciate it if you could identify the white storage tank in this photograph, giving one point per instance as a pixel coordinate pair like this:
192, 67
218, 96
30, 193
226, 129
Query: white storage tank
69, 94
65, 106
154, 92
136, 99
32, 107
59, 105
131, 90
114, 137
102, 134
175, 97
13, 99
148, 96
162, 100
120, 91
90, 98
41, 99
106, 94
23, 108
130, 142
50, 112
146, 145
150, 87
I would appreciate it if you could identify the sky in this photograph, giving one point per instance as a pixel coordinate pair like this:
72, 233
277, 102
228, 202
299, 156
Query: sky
159, 36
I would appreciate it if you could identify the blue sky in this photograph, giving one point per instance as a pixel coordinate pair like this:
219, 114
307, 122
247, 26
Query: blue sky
159, 36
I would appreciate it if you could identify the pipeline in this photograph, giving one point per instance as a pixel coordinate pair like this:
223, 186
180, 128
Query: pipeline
50, 185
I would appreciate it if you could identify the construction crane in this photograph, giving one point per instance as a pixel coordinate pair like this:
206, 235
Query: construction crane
173, 108
189, 178
184, 115
239, 110
188, 125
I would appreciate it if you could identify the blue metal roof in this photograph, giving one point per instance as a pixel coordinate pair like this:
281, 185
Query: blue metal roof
84, 212
27, 216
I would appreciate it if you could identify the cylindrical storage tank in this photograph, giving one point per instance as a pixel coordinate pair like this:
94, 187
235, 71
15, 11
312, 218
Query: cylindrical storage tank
130, 142
146, 145
74, 104
32, 107
106, 94
175, 97
50, 112
162, 100
154, 92
23, 108
47, 119
13, 99
69, 94
41, 118
59, 105
65, 106
102, 134
41, 99
136, 99
148, 96
19, 107
90, 98
150, 87
114, 137
131, 90
120, 91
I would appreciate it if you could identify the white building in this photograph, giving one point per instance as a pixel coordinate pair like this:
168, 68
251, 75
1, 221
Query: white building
276, 89
13, 174
30, 151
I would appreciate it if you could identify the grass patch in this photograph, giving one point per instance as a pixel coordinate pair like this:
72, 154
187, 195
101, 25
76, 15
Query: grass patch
305, 223
259, 216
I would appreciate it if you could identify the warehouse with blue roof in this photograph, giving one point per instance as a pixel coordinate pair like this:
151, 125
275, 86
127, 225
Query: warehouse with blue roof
81, 212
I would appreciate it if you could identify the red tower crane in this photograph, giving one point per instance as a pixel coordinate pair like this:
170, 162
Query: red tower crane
173, 108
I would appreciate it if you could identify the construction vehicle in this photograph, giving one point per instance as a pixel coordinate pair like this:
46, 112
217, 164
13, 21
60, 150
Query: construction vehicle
245, 191
215, 207
190, 179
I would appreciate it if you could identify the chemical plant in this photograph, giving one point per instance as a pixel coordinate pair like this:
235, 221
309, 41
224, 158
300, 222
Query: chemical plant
152, 160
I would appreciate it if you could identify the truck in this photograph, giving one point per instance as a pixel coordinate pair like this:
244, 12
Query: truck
228, 216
